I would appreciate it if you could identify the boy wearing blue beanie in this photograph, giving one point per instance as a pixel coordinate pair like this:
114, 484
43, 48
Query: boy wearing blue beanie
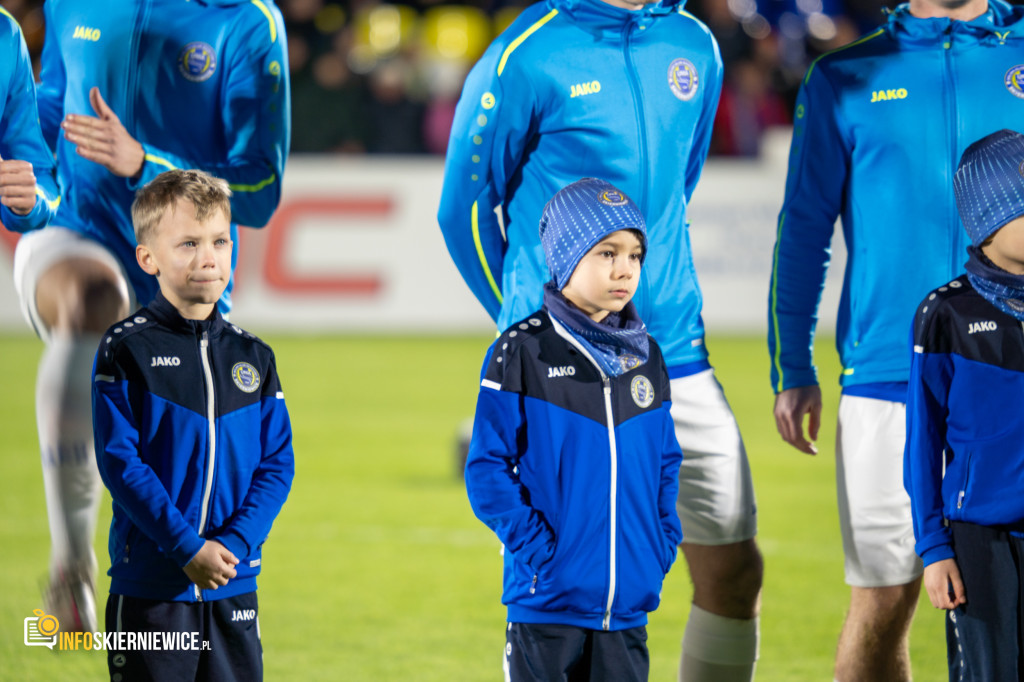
574, 462
964, 458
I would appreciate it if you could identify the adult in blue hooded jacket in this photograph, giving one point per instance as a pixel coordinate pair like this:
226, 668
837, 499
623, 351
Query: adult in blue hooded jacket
130, 89
880, 125
624, 91
28, 182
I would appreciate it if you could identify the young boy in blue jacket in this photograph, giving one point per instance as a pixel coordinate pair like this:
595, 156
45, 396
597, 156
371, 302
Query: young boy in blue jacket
964, 459
194, 443
574, 461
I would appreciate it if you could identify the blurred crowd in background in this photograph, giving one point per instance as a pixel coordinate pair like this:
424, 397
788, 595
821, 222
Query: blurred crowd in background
372, 77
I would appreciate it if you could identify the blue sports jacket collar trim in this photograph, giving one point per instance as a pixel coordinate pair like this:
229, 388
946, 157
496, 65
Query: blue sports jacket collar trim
995, 22
597, 16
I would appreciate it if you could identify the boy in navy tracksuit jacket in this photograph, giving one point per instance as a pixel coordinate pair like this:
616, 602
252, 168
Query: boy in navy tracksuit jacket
964, 459
574, 461
194, 442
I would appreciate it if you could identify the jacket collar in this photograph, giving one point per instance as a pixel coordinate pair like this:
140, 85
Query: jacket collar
1000, 22
167, 315
604, 20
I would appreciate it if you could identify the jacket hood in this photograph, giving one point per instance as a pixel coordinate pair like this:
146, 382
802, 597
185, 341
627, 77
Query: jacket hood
597, 16
1000, 21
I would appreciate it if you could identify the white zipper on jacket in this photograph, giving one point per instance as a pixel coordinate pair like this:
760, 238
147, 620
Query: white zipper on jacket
211, 413
606, 385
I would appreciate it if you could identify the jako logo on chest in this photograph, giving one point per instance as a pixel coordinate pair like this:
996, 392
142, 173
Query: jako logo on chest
886, 95
580, 89
566, 371
987, 326
165, 361
86, 33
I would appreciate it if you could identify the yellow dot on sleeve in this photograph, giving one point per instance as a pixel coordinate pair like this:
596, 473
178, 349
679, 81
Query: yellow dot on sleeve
474, 177
481, 120
477, 139
476, 158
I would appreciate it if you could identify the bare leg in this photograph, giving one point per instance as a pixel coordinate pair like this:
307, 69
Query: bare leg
875, 641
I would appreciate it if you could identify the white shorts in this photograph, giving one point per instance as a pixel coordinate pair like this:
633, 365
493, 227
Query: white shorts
716, 494
874, 507
39, 250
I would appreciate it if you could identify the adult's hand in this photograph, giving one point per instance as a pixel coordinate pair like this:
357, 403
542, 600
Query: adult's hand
791, 406
102, 138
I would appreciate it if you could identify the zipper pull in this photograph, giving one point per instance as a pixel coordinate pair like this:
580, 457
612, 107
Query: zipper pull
533, 585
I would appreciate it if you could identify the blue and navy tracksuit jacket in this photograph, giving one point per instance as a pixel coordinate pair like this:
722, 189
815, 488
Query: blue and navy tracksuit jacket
965, 394
879, 128
200, 83
20, 136
194, 443
574, 89
577, 474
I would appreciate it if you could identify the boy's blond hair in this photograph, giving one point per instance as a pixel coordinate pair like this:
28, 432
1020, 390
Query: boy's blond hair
206, 193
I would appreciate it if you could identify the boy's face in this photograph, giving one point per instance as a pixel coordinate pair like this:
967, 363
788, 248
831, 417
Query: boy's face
1005, 247
607, 276
191, 260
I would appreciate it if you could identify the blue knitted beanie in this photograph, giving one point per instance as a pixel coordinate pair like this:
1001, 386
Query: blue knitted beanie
989, 184
578, 217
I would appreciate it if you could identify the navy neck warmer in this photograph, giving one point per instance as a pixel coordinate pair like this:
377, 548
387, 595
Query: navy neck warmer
618, 343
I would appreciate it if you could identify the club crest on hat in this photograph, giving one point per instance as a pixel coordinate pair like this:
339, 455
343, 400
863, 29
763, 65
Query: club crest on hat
612, 197
1014, 81
629, 361
245, 376
197, 61
683, 79
642, 391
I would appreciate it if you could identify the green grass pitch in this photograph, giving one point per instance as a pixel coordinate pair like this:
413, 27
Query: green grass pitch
377, 570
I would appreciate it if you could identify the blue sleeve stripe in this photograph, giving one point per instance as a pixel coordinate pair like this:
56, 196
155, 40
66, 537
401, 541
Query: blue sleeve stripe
519, 41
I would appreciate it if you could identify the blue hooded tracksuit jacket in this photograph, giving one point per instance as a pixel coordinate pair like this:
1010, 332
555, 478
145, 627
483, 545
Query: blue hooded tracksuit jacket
200, 83
879, 128
577, 473
574, 89
194, 442
964, 458
20, 136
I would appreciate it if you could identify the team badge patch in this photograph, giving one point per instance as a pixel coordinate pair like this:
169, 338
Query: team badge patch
1014, 81
642, 391
197, 61
683, 79
245, 376
611, 197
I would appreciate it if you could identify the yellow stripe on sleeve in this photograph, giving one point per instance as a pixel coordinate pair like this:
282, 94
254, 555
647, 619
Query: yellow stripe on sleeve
480, 252
526, 34
254, 188
270, 18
